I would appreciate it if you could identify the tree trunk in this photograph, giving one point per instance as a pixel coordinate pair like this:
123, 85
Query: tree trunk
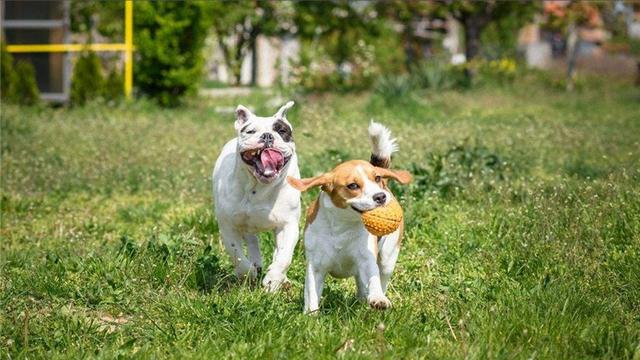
408, 47
472, 30
226, 54
239, 57
254, 60
573, 43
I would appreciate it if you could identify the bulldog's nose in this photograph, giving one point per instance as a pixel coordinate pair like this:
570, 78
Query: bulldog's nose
267, 139
380, 198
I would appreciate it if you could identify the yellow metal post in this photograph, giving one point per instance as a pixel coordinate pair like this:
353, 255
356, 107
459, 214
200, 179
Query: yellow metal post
128, 42
127, 47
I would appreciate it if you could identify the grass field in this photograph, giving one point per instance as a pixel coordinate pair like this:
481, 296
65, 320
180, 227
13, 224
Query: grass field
522, 238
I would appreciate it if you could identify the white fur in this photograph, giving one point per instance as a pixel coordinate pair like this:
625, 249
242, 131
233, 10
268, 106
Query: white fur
365, 201
246, 205
382, 144
337, 243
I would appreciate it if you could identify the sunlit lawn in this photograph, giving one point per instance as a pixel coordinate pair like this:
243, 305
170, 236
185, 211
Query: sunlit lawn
522, 238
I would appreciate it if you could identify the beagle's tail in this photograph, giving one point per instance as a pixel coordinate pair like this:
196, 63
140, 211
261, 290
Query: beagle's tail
382, 145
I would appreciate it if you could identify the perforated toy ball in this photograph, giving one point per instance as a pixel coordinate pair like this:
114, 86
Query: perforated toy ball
383, 220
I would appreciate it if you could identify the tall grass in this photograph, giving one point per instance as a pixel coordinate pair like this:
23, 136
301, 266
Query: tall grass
522, 236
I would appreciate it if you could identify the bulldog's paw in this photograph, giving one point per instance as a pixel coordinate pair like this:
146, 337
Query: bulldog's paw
379, 302
274, 281
247, 272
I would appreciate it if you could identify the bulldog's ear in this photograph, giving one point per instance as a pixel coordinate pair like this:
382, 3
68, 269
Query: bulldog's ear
306, 184
242, 115
282, 112
401, 176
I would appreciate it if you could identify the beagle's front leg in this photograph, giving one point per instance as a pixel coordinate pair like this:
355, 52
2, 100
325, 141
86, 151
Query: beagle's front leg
369, 274
313, 285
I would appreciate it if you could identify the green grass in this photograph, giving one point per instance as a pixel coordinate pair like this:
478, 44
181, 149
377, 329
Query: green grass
522, 239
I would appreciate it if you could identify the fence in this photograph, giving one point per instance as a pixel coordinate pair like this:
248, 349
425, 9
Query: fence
126, 47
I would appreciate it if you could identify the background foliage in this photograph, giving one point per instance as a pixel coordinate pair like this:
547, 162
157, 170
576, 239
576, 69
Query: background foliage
169, 39
18, 80
87, 81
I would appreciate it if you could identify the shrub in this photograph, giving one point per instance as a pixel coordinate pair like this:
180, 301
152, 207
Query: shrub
461, 166
113, 86
501, 71
87, 81
437, 74
25, 89
169, 40
7, 75
393, 89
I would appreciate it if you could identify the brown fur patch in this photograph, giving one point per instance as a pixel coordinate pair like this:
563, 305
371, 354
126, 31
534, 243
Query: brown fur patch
345, 174
400, 235
335, 183
312, 212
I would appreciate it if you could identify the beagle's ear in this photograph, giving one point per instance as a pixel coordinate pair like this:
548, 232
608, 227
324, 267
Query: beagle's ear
401, 176
306, 184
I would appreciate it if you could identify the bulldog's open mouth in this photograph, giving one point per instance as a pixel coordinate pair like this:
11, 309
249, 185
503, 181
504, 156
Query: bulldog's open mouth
266, 163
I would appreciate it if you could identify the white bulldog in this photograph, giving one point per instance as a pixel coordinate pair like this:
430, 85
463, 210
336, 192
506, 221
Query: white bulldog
251, 194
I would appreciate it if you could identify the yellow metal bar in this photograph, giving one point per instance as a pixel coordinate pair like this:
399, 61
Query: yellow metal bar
127, 47
36, 48
128, 42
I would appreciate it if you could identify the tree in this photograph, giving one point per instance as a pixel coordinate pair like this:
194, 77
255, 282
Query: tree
237, 26
567, 18
475, 16
406, 13
342, 23
105, 17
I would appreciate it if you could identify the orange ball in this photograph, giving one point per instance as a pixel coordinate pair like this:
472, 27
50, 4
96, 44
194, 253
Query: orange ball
383, 220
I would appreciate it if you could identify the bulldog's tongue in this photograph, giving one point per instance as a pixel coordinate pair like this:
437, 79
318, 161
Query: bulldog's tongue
271, 160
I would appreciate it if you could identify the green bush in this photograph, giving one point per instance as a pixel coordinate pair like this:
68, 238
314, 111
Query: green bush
463, 165
25, 89
169, 40
393, 89
18, 80
87, 80
500, 71
437, 74
7, 75
113, 86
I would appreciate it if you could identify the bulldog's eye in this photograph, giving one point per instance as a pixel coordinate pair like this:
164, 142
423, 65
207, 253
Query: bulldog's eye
250, 132
353, 186
282, 131
378, 178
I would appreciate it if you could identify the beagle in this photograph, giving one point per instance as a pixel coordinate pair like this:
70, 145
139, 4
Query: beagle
336, 241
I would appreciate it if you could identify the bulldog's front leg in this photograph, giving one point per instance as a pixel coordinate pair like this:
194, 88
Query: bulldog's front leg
253, 248
286, 239
232, 241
